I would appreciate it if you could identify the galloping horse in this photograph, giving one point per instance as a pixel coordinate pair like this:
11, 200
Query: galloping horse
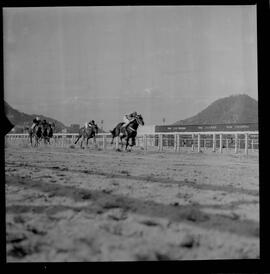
35, 133
131, 131
87, 133
47, 132
42, 131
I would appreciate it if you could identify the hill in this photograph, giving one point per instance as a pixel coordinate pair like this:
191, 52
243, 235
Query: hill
233, 109
21, 120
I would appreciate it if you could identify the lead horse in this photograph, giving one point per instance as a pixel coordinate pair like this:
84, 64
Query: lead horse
130, 133
87, 133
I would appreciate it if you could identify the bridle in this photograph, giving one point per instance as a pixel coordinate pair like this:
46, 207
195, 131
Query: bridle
138, 119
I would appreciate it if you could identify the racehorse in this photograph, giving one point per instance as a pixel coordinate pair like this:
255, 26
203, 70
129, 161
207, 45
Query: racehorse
35, 133
87, 133
47, 131
131, 131
41, 131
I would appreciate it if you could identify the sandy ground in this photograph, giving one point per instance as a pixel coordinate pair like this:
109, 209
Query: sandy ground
69, 204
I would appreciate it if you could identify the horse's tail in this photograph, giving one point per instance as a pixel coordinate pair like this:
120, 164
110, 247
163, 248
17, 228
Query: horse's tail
113, 132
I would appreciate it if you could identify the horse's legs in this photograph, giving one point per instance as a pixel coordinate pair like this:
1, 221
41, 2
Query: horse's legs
127, 144
133, 141
121, 141
82, 141
78, 138
127, 141
95, 141
36, 142
30, 137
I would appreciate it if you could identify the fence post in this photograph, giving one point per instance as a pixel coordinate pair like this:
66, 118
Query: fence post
192, 144
104, 142
227, 144
175, 142
220, 143
199, 142
160, 142
145, 142
246, 143
178, 142
236, 143
214, 142
252, 145
62, 141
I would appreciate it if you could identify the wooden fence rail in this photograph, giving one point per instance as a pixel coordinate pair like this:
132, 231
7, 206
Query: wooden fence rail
161, 141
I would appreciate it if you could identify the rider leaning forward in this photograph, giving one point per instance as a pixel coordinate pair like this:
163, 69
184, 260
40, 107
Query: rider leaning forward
36, 122
128, 118
89, 124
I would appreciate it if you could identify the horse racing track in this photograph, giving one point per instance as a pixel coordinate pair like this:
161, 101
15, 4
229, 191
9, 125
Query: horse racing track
65, 204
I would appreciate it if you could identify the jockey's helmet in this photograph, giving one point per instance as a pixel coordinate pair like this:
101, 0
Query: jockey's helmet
134, 113
37, 118
93, 122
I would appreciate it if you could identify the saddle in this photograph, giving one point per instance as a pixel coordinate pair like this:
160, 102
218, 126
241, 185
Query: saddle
124, 130
87, 130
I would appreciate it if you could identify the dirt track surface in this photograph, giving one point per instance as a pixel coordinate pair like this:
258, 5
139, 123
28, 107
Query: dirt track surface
66, 204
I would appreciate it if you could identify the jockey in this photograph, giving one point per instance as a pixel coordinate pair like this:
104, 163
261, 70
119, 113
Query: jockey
36, 122
89, 124
128, 118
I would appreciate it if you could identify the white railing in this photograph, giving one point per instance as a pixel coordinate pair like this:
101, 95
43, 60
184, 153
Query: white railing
161, 141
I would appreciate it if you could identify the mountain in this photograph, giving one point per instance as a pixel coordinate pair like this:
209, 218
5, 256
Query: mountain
21, 120
233, 109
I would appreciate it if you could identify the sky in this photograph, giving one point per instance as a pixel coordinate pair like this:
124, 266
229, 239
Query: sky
76, 64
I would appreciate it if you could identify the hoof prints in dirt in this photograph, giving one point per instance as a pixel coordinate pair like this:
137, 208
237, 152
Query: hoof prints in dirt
153, 179
185, 213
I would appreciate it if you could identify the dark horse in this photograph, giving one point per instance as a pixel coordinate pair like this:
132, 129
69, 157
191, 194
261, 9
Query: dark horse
88, 133
47, 132
41, 131
131, 131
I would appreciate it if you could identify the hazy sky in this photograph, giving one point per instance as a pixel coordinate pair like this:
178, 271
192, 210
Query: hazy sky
79, 63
